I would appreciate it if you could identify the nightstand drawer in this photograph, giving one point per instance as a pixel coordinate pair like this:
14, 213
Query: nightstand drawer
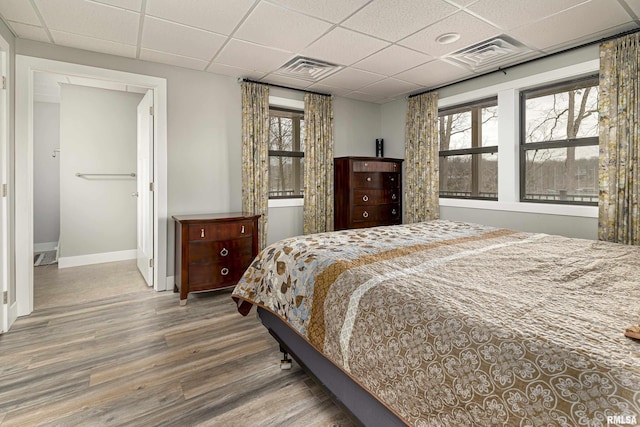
217, 251
224, 231
221, 274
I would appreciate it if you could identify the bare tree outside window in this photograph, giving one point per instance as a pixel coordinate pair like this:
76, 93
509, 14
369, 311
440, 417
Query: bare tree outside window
286, 153
559, 143
469, 150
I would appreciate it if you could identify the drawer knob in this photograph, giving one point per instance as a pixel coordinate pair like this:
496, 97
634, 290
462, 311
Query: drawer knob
224, 252
242, 230
365, 214
368, 179
365, 198
393, 211
202, 232
392, 179
224, 271
393, 197
366, 165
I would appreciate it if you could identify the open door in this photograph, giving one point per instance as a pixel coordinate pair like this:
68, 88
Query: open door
144, 175
8, 304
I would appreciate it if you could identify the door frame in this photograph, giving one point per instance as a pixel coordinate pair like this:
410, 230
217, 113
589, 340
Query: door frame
26, 66
8, 310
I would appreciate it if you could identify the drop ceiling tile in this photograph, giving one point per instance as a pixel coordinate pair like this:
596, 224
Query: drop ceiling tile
434, 73
30, 32
227, 70
366, 97
90, 19
135, 5
392, 60
344, 47
594, 16
286, 81
221, 16
508, 14
634, 5
333, 90
332, 10
95, 45
393, 20
390, 88
250, 56
461, 3
171, 59
274, 26
471, 29
178, 39
350, 78
19, 11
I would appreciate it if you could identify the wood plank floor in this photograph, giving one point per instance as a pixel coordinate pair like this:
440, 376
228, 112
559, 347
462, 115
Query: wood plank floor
141, 359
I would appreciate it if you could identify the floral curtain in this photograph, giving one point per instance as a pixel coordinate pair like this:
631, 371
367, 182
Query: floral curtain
255, 154
619, 215
422, 180
318, 163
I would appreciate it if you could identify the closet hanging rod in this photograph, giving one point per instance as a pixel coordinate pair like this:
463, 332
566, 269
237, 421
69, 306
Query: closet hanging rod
132, 174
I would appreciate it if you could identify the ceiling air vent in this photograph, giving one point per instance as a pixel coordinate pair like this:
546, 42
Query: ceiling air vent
307, 69
491, 53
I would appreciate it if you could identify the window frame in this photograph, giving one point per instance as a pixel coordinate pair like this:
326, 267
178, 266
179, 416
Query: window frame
524, 147
294, 154
475, 107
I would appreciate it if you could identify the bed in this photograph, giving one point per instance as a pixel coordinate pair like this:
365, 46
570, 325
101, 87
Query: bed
450, 323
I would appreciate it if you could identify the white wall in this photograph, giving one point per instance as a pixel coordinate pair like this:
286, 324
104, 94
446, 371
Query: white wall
46, 174
356, 128
98, 134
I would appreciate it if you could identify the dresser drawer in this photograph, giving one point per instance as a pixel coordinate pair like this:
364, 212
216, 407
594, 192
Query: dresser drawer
376, 213
375, 166
224, 231
376, 180
209, 252
375, 196
217, 275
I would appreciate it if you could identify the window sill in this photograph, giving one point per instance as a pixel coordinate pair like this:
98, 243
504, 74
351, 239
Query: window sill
286, 203
529, 207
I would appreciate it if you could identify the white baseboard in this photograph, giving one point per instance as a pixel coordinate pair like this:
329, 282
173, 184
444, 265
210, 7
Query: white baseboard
170, 282
76, 261
44, 247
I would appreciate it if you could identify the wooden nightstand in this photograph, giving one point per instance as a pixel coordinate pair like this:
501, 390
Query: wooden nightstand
213, 250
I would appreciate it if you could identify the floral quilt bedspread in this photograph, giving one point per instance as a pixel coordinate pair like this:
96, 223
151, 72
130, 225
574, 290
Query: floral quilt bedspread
450, 323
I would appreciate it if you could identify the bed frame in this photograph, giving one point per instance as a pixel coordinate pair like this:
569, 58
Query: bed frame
348, 394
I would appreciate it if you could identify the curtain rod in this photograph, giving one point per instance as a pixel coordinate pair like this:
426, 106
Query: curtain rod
504, 70
240, 80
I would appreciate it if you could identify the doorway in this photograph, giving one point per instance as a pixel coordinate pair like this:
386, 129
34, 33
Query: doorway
25, 69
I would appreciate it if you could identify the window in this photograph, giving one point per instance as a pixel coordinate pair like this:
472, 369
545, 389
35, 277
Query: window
559, 143
469, 150
286, 153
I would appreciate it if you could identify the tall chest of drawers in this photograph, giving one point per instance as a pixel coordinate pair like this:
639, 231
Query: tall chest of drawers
213, 250
368, 192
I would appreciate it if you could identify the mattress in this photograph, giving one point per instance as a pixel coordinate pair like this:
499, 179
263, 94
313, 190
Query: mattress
449, 323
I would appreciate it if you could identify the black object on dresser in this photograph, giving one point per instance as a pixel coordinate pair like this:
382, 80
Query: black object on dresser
213, 250
368, 192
